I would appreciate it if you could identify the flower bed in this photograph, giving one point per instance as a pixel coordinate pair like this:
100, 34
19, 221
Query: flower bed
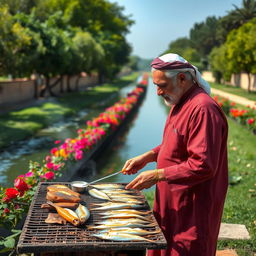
244, 115
16, 200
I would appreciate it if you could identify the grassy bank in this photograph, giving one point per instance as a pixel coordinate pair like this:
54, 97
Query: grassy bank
19, 125
235, 90
240, 206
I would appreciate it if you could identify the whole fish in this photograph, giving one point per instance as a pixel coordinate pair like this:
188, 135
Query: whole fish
132, 231
124, 211
123, 225
126, 216
112, 206
122, 195
66, 214
121, 221
82, 213
127, 200
108, 186
62, 188
98, 194
122, 237
57, 197
118, 191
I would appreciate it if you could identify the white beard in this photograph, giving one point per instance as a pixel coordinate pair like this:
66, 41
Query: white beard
168, 100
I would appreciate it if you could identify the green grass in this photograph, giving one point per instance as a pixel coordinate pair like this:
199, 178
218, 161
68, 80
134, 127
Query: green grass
235, 90
21, 124
240, 205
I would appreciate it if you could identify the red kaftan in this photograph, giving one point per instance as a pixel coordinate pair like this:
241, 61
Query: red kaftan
188, 206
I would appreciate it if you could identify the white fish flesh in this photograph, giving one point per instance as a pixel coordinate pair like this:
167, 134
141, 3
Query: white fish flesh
132, 231
125, 211
112, 206
82, 213
98, 194
122, 237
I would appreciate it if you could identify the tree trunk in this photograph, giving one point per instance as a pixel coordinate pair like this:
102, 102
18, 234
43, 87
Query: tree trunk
61, 84
249, 82
77, 82
68, 84
48, 87
36, 87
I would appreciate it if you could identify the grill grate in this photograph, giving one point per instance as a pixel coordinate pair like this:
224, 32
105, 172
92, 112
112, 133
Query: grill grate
38, 236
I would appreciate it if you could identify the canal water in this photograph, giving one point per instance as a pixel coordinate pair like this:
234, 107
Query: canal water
139, 136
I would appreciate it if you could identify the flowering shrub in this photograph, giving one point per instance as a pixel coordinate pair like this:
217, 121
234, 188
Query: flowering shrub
245, 116
16, 200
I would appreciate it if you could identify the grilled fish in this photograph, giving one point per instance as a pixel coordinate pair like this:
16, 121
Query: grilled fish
63, 189
121, 221
132, 231
126, 216
66, 214
61, 197
122, 237
98, 194
112, 206
61, 204
124, 211
123, 225
108, 186
82, 213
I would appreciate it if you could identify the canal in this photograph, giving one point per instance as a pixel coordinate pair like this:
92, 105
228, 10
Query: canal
142, 134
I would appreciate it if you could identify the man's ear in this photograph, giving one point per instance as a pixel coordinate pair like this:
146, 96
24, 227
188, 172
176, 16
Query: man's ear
181, 77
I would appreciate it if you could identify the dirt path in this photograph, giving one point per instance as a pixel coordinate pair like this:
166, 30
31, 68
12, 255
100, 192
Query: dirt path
235, 98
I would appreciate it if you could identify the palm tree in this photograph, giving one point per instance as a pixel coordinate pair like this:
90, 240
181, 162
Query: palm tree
245, 13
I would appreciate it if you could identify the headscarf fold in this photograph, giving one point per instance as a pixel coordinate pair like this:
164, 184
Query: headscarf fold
172, 61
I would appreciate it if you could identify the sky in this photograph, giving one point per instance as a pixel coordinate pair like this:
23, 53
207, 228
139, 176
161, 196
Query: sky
158, 22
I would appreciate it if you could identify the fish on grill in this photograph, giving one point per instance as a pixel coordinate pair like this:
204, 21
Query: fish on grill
114, 205
98, 194
124, 211
55, 218
108, 186
121, 237
66, 214
61, 204
62, 188
82, 213
131, 231
57, 197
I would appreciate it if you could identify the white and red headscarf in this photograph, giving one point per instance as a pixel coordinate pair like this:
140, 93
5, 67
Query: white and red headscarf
172, 61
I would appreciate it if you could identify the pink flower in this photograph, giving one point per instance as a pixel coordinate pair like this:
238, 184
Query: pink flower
79, 155
49, 165
57, 141
54, 150
29, 174
49, 175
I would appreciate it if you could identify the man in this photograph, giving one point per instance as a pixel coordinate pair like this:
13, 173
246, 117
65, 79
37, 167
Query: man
192, 172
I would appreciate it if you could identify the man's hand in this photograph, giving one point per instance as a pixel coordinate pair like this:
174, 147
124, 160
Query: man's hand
133, 165
144, 180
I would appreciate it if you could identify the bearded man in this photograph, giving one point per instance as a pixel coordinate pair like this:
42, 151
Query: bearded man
192, 172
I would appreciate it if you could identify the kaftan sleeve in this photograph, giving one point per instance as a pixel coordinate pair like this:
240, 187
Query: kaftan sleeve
206, 143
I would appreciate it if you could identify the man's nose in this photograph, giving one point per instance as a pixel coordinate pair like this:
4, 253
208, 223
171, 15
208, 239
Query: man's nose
159, 91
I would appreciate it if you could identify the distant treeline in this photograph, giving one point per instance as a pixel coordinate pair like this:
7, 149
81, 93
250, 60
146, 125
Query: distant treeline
226, 45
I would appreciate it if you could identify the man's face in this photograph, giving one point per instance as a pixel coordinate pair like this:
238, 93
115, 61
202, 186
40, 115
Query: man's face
171, 92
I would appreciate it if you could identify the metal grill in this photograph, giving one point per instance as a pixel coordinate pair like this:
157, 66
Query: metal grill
38, 236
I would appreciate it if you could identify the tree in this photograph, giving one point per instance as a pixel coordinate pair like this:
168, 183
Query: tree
235, 18
218, 63
203, 36
15, 40
241, 50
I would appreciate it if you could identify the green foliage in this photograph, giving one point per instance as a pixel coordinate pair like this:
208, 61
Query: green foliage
46, 36
203, 35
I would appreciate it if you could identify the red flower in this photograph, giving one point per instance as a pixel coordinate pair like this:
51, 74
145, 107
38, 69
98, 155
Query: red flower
49, 175
250, 121
21, 185
10, 194
6, 210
